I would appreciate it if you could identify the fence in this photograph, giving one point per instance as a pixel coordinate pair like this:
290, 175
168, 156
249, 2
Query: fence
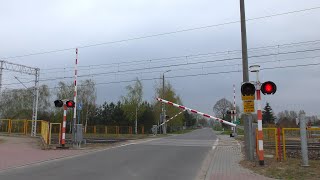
54, 131
49, 131
270, 141
5, 125
100, 129
45, 131
18, 126
281, 141
291, 139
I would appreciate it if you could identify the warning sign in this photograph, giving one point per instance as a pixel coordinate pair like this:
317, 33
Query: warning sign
248, 98
248, 106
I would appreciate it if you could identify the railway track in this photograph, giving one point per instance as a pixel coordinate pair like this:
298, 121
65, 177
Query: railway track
294, 146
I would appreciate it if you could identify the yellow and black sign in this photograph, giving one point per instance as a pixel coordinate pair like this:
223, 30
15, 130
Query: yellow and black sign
248, 106
248, 98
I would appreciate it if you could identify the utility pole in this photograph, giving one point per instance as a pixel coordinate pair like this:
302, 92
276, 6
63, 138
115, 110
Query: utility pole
163, 110
304, 143
248, 136
136, 124
164, 128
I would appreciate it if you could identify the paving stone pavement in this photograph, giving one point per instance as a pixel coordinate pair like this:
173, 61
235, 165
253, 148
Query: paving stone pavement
225, 162
19, 151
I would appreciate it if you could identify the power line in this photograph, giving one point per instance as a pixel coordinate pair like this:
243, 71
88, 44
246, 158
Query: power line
291, 66
190, 56
177, 65
205, 74
199, 74
162, 34
186, 64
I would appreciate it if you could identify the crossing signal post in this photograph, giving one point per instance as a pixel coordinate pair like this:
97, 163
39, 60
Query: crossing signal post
268, 88
65, 104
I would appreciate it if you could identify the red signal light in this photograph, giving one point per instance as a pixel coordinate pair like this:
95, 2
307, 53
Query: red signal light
70, 104
268, 87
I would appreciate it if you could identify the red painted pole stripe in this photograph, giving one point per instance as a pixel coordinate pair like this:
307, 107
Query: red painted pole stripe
182, 107
258, 95
206, 115
170, 103
193, 111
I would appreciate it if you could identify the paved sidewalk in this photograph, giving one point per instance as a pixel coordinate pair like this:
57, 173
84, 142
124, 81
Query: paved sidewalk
225, 162
19, 151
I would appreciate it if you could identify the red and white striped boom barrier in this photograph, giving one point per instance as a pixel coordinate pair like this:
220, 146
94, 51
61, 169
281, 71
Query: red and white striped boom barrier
196, 112
171, 118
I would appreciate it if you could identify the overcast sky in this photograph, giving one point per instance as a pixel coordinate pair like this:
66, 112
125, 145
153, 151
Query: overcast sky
37, 26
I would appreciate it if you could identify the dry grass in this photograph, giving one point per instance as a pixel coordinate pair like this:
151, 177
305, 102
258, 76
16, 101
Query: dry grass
290, 169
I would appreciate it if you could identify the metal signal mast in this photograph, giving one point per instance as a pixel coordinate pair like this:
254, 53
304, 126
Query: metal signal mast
4, 65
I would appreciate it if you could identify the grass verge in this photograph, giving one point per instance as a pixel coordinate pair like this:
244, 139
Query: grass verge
290, 169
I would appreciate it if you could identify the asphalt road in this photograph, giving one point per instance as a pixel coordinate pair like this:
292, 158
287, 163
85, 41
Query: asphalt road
176, 157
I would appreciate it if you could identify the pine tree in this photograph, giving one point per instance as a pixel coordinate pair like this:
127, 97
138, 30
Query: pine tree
267, 116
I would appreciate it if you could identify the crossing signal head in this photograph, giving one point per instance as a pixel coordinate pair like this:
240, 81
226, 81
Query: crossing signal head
268, 87
70, 104
248, 89
58, 103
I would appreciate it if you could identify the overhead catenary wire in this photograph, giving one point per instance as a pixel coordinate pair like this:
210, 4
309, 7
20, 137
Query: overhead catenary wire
195, 68
161, 34
293, 44
189, 56
195, 75
177, 65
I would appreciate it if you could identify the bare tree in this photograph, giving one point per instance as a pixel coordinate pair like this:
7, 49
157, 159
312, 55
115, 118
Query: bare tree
221, 107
